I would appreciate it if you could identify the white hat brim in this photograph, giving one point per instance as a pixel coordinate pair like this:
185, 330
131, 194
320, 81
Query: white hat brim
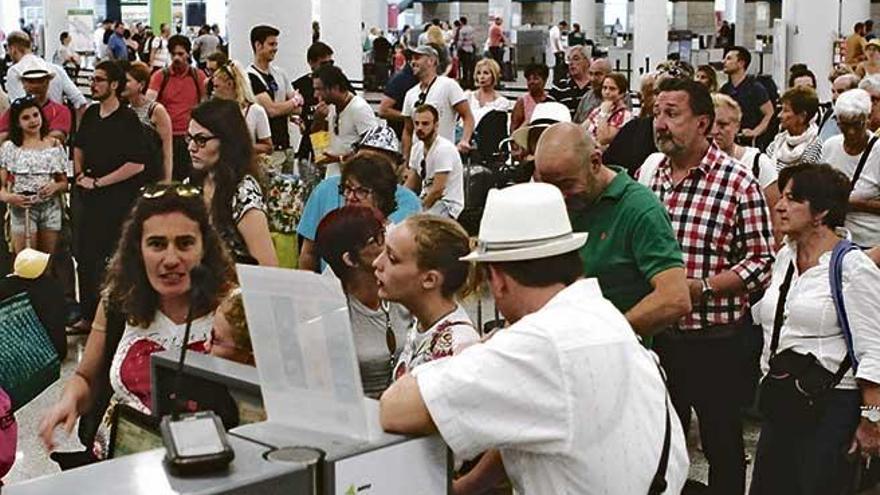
554, 248
521, 135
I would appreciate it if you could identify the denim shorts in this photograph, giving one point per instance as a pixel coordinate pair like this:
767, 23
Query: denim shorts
43, 216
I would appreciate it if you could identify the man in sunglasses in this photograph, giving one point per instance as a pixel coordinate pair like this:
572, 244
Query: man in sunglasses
441, 92
631, 248
35, 79
273, 91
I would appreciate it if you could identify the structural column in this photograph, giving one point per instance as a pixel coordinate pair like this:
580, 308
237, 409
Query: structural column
650, 38
55, 18
375, 13
811, 38
160, 13
215, 13
851, 12
583, 12
341, 29
10, 12
503, 8
296, 31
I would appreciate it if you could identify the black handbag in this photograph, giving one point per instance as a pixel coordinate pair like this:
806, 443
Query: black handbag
791, 393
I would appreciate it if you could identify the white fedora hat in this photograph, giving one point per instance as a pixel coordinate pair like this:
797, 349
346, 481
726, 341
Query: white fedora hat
524, 222
544, 115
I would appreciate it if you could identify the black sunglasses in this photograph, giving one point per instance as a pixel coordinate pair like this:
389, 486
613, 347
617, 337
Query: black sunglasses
21, 101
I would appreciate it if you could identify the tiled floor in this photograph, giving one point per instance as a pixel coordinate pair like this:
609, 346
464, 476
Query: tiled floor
33, 461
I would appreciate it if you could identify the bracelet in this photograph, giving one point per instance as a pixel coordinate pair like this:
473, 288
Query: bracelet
870, 407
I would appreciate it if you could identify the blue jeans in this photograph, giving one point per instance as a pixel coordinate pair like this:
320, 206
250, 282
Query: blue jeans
813, 462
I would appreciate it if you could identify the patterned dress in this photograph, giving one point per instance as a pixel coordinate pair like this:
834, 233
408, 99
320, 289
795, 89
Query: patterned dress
447, 337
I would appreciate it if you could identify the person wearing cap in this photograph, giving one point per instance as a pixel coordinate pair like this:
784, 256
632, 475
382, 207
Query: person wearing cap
35, 77
442, 93
60, 86
872, 64
435, 162
565, 399
326, 196
347, 117
722, 223
631, 249
46, 295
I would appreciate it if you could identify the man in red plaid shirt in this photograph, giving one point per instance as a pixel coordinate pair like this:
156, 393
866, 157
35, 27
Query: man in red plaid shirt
723, 225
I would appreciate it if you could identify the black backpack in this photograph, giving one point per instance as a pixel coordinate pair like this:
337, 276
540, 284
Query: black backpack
153, 143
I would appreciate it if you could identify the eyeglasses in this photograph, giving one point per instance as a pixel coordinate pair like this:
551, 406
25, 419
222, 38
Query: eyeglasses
184, 190
377, 239
97, 79
201, 140
358, 192
21, 101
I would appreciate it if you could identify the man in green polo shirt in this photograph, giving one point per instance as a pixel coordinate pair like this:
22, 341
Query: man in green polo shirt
632, 249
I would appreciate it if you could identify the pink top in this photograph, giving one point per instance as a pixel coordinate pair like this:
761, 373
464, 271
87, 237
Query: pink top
496, 35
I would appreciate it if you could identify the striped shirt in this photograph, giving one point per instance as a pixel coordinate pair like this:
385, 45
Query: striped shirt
569, 93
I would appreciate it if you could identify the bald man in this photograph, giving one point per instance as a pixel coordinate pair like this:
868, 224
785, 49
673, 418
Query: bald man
599, 68
632, 249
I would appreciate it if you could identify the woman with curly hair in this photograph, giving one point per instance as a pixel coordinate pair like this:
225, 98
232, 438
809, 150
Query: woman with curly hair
145, 303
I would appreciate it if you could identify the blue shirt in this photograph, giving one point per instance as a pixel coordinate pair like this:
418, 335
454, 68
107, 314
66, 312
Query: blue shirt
326, 198
116, 45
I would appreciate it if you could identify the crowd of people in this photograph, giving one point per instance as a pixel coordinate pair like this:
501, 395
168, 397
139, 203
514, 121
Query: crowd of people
673, 250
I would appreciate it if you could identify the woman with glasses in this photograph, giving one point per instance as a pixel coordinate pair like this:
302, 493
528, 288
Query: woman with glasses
231, 83
350, 239
33, 176
146, 301
154, 117
223, 161
421, 269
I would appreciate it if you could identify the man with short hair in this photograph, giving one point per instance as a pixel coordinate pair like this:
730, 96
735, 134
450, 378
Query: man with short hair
569, 91
722, 223
116, 48
631, 248
180, 88
871, 84
855, 46
557, 48
441, 92
347, 116
869, 30
318, 55
60, 86
840, 85
35, 78
273, 91
467, 48
205, 44
391, 104
750, 94
564, 400
159, 54
497, 41
435, 161
599, 68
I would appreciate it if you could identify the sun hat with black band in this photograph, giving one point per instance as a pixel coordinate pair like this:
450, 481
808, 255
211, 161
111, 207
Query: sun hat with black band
544, 115
34, 67
511, 229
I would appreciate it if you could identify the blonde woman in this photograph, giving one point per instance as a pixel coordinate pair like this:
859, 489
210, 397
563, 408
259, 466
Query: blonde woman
231, 83
485, 99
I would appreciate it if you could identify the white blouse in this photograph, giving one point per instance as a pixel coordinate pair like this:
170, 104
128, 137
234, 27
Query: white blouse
810, 324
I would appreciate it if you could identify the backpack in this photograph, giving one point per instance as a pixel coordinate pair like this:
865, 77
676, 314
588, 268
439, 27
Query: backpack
153, 142
192, 73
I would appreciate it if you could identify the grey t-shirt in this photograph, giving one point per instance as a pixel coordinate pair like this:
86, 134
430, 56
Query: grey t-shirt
368, 326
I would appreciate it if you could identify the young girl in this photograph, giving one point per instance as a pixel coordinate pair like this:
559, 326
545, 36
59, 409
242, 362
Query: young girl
230, 337
33, 175
420, 269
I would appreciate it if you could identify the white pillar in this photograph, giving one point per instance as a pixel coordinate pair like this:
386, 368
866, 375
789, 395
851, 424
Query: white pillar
650, 40
341, 29
10, 12
55, 19
502, 8
558, 12
739, 18
811, 37
851, 12
375, 13
295, 38
583, 12
215, 13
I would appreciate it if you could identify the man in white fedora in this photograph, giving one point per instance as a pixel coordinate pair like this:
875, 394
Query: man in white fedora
563, 401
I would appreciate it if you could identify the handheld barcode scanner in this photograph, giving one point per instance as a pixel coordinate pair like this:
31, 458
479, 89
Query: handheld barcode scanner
195, 443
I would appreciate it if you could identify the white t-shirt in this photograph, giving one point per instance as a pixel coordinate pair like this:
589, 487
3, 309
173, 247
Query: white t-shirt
163, 57
443, 94
864, 227
500, 103
356, 118
567, 394
767, 173
442, 157
257, 122
449, 336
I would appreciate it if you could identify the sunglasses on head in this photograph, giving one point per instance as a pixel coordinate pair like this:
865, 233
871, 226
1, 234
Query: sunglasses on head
21, 101
184, 190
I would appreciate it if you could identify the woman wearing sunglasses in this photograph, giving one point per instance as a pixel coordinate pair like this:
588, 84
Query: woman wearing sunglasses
33, 175
223, 161
231, 83
144, 307
350, 239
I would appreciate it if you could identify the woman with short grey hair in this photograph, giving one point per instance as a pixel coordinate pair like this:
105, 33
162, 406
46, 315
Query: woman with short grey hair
854, 153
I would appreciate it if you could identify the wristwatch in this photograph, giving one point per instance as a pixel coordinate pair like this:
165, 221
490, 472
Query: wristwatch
871, 413
708, 291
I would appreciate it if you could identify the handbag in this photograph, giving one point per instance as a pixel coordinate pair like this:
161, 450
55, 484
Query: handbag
791, 393
28, 360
